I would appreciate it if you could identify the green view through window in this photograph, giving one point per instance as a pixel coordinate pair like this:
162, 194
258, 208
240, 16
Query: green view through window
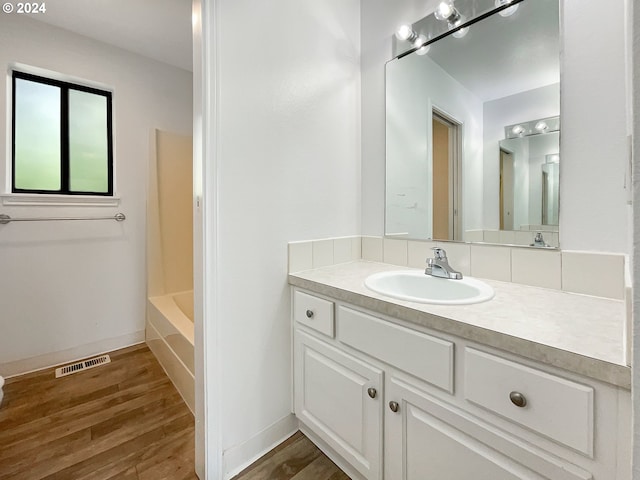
61, 137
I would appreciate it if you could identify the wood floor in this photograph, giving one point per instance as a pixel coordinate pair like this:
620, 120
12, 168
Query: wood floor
124, 421
295, 459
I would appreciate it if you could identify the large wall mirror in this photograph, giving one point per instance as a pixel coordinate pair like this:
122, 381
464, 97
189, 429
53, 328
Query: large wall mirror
473, 131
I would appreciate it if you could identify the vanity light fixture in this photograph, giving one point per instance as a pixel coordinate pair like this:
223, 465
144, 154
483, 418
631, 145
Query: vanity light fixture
507, 12
406, 34
553, 158
446, 11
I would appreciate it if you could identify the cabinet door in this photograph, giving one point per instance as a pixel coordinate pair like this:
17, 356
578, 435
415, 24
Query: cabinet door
425, 438
339, 398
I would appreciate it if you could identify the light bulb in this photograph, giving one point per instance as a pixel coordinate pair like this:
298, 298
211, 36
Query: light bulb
461, 33
419, 41
459, 21
554, 158
541, 126
507, 12
517, 130
405, 32
444, 10
419, 44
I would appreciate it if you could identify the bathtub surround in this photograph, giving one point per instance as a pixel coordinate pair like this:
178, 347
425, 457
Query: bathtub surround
75, 289
170, 214
169, 335
587, 273
169, 327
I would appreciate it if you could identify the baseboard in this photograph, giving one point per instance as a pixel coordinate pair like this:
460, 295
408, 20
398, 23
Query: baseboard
53, 359
239, 457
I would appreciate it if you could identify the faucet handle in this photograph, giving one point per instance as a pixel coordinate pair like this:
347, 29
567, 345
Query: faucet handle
439, 253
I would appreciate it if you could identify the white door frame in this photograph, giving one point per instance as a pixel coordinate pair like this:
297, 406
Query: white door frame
208, 436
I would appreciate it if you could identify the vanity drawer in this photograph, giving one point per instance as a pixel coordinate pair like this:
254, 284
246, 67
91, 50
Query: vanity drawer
427, 358
552, 406
314, 312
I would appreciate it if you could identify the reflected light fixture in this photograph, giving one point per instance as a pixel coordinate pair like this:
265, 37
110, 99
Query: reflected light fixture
463, 31
446, 11
507, 12
419, 44
518, 130
541, 126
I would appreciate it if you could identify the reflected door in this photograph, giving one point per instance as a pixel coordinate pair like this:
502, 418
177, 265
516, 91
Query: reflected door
445, 178
550, 193
506, 190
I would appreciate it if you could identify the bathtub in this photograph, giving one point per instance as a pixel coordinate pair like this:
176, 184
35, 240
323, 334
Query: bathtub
169, 334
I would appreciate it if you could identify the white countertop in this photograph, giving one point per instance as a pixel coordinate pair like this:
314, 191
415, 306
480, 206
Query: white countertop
578, 333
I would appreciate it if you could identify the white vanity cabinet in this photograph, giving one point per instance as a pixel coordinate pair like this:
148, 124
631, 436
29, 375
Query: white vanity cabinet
426, 438
389, 401
340, 398
337, 395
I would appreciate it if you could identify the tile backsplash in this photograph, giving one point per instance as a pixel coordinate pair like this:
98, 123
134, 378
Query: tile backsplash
489, 261
589, 273
322, 253
524, 237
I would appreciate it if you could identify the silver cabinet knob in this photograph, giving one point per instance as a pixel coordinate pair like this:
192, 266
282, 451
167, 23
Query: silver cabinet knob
309, 313
372, 392
394, 406
518, 399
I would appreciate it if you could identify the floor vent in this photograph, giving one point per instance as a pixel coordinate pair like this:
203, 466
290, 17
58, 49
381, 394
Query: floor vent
82, 366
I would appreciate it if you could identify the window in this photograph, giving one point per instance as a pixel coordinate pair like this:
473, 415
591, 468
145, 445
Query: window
61, 137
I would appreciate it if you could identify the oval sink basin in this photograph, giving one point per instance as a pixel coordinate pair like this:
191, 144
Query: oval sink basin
416, 286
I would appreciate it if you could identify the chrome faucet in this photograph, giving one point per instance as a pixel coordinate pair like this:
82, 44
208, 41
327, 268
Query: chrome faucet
539, 241
439, 265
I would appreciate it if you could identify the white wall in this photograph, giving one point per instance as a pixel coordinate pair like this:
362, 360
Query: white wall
635, 387
593, 87
379, 20
594, 145
539, 147
519, 147
288, 156
69, 289
415, 86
